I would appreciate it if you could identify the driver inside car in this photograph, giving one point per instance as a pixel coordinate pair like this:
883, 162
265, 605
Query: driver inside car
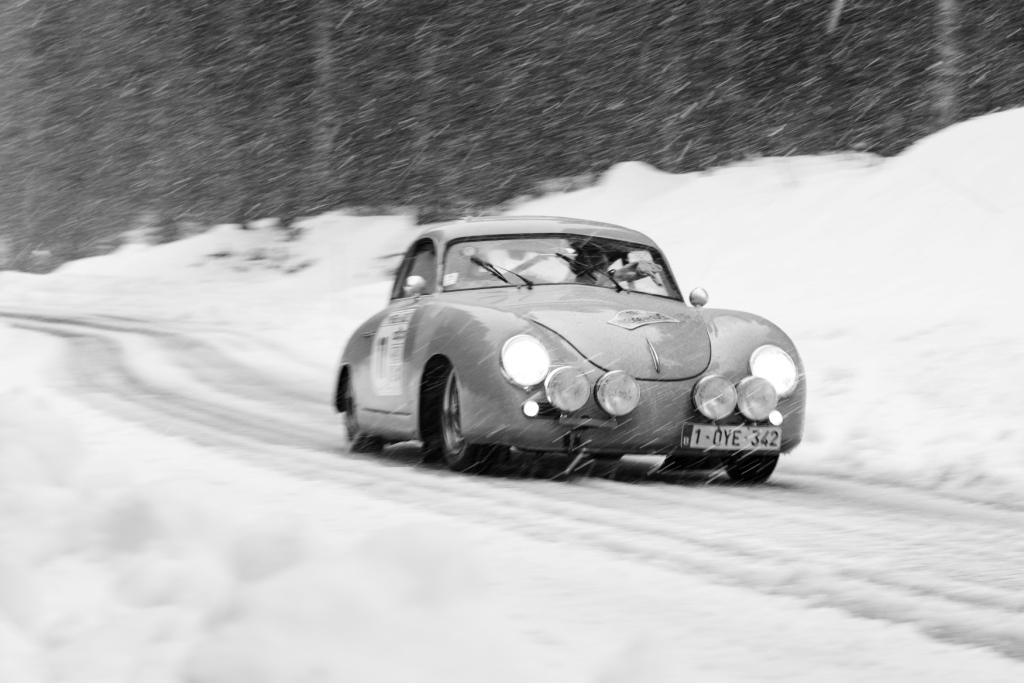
594, 265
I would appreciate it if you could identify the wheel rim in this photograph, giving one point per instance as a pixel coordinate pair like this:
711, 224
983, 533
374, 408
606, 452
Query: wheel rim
451, 422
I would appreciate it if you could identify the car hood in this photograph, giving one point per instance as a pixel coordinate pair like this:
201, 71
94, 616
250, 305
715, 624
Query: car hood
649, 337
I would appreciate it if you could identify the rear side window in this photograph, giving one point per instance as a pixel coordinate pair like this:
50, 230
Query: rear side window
421, 260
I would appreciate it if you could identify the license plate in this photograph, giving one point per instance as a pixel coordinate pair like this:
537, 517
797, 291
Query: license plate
731, 438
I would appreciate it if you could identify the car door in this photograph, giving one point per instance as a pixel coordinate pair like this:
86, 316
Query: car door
392, 349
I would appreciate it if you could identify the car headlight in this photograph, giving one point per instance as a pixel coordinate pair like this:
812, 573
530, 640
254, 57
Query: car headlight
524, 360
715, 397
567, 389
756, 398
617, 393
776, 366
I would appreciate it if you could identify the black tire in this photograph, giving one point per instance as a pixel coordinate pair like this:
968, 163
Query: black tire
690, 463
605, 465
445, 438
358, 440
751, 469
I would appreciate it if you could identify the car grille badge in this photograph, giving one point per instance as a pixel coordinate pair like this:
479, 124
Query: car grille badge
632, 319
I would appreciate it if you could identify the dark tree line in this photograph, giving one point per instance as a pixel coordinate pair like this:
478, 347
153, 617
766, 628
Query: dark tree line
229, 110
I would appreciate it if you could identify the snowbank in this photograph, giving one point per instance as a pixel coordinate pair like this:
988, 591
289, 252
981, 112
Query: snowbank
121, 564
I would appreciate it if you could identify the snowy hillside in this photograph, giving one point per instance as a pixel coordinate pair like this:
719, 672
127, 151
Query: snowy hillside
132, 551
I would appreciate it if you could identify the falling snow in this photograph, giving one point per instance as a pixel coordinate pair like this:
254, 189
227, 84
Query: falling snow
176, 504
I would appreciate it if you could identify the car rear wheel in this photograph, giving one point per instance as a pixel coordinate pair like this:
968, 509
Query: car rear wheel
449, 440
358, 440
751, 469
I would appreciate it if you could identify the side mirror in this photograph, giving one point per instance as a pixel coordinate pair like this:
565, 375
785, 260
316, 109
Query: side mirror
414, 286
699, 297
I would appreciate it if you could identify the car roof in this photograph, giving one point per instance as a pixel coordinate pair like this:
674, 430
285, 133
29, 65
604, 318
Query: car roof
492, 226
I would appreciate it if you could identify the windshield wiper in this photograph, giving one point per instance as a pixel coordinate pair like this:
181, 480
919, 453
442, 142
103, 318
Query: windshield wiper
490, 268
496, 271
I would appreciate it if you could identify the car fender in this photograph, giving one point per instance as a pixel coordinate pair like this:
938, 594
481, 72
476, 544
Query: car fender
734, 336
354, 358
470, 338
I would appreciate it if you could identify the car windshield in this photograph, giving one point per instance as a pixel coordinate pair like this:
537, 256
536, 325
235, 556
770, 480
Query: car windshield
536, 260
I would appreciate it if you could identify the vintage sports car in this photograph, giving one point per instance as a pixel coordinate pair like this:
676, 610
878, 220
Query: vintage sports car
546, 334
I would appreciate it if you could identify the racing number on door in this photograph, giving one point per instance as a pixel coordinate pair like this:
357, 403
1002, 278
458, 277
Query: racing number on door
388, 355
380, 352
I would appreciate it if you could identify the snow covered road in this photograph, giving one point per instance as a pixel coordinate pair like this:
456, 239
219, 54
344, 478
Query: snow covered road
950, 568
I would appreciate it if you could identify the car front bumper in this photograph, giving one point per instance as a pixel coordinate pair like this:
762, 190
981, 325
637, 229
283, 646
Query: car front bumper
655, 427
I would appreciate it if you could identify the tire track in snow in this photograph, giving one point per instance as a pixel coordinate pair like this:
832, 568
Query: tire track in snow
852, 551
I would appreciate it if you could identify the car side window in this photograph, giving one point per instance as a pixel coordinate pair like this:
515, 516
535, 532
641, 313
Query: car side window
421, 261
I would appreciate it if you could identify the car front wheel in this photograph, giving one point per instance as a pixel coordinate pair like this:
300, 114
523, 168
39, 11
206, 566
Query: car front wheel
449, 439
751, 469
